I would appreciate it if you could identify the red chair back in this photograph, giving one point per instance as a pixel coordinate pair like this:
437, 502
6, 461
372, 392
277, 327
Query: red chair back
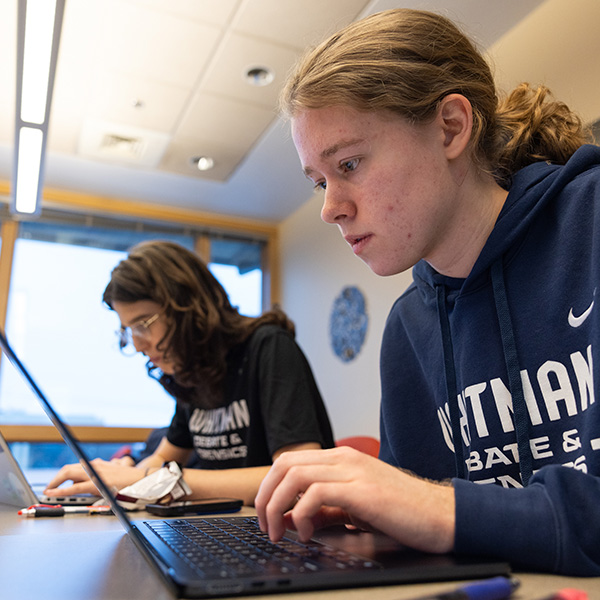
364, 443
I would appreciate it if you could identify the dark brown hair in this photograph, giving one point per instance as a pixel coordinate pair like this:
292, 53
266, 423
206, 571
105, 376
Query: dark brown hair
202, 325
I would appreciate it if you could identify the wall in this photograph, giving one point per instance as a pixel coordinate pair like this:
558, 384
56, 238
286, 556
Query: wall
316, 264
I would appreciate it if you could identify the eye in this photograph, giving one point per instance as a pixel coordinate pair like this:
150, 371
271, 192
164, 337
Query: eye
349, 165
320, 185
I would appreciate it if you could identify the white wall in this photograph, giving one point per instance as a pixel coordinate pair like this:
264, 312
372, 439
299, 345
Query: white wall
316, 264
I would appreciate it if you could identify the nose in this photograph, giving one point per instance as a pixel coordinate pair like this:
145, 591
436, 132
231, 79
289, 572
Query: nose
337, 205
140, 343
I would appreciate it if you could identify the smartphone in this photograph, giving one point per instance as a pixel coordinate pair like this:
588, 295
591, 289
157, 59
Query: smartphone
196, 507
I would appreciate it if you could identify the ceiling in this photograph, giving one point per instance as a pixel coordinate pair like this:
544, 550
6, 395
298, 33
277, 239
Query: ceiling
143, 86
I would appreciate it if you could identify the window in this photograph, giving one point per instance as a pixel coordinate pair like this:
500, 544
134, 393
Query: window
57, 324
237, 265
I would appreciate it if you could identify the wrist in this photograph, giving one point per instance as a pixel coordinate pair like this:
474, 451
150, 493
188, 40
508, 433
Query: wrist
145, 471
429, 520
443, 518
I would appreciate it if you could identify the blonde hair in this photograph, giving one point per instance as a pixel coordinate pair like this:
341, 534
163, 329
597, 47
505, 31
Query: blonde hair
406, 61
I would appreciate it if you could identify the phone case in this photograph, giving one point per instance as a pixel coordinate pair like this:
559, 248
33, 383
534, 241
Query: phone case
196, 507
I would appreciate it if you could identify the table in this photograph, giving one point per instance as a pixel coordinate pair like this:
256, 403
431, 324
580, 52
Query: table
78, 557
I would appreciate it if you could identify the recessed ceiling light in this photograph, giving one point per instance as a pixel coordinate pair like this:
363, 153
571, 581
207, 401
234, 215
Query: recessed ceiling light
258, 76
203, 163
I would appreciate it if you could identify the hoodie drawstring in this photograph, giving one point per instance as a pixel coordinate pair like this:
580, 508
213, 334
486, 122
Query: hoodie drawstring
451, 389
514, 374
521, 416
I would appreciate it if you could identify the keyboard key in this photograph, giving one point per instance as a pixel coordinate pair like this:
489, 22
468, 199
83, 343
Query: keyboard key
237, 546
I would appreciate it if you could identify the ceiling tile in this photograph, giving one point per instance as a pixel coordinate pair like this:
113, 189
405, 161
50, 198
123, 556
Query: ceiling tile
69, 107
226, 157
156, 44
216, 12
83, 29
78, 56
137, 101
213, 117
297, 24
236, 55
121, 144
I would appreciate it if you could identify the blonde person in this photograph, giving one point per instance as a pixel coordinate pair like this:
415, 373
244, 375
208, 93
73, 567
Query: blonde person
490, 419
244, 390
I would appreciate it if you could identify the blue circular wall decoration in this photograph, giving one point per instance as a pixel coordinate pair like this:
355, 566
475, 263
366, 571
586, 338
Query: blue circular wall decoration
348, 323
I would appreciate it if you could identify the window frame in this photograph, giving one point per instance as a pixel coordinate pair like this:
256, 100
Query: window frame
204, 224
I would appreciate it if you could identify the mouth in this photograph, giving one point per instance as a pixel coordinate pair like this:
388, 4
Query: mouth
357, 242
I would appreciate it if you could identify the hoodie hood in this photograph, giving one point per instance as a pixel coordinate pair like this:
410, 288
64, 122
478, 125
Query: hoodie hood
533, 188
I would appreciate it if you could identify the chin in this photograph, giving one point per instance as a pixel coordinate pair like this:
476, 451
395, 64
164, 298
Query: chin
384, 270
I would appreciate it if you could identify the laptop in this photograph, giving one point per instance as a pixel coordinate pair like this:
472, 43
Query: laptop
16, 490
211, 557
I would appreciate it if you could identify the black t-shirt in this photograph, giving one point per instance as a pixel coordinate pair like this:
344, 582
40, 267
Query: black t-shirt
271, 401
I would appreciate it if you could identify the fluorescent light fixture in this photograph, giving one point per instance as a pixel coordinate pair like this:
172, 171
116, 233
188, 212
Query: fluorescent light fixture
38, 36
39, 28
29, 163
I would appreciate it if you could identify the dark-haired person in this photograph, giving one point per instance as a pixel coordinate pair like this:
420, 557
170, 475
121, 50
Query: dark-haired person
245, 391
490, 415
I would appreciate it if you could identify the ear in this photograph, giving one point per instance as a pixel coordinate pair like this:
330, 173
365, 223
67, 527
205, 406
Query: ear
456, 117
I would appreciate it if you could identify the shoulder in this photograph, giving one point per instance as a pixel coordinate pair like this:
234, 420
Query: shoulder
549, 179
411, 300
269, 334
267, 341
272, 347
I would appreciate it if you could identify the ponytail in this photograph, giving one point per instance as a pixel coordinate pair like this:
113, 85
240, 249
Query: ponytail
532, 126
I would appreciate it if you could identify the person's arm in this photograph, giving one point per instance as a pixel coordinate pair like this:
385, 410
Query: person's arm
552, 525
115, 473
306, 490
235, 483
165, 452
240, 483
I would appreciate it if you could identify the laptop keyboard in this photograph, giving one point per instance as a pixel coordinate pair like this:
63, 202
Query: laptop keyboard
237, 547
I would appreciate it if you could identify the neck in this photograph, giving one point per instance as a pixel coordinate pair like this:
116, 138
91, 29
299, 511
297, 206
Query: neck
478, 207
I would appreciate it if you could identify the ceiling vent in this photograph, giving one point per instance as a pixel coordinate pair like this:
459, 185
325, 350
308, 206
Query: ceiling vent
118, 145
114, 142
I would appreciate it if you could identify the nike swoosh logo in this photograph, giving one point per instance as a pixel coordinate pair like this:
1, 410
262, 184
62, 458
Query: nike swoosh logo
577, 321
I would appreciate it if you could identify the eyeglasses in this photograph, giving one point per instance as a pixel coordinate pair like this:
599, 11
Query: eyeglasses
139, 331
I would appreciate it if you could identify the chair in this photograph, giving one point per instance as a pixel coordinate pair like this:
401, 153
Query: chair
364, 443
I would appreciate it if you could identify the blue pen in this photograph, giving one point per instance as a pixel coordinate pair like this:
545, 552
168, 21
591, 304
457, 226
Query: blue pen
496, 588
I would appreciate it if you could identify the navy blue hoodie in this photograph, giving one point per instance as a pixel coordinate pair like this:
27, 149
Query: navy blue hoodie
503, 365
